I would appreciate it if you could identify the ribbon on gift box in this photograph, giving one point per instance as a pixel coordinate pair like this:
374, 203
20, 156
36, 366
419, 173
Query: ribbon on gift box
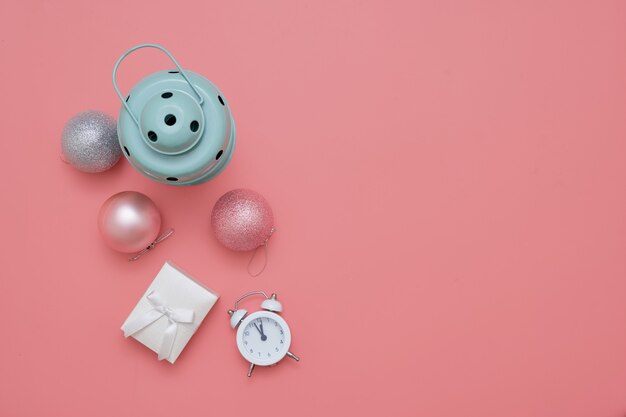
160, 309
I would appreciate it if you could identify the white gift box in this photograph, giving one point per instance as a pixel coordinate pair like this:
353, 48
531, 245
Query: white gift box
169, 313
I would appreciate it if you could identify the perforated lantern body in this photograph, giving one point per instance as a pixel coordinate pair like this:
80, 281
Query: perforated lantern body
176, 135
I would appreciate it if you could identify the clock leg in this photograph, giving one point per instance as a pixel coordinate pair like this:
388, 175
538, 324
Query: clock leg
292, 356
250, 370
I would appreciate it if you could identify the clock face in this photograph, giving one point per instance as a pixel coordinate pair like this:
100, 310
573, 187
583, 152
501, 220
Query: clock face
263, 338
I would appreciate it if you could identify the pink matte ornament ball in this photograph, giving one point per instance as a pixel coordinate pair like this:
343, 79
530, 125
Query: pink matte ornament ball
242, 220
129, 221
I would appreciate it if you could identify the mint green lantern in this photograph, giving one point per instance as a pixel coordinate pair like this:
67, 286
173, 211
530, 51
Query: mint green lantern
175, 126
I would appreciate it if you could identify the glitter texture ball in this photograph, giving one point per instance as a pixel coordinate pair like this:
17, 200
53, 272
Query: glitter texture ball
89, 142
242, 220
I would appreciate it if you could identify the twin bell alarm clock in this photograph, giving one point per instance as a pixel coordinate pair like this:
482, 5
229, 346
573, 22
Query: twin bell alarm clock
263, 337
175, 126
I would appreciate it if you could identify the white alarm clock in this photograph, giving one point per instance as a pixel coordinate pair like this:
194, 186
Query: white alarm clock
263, 337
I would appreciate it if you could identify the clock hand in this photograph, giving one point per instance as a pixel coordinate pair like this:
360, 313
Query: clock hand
263, 337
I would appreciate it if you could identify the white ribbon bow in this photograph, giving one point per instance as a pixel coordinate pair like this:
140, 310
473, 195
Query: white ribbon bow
160, 309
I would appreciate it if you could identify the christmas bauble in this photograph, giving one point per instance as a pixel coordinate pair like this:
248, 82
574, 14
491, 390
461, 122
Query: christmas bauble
89, 142
129, 222
242, 220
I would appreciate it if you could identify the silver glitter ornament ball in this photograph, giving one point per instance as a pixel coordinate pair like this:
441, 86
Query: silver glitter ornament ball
89, 142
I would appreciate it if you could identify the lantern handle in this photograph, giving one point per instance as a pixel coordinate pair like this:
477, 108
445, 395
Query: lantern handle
148, 45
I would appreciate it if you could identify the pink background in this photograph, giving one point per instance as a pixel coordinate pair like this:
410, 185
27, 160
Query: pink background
449, 186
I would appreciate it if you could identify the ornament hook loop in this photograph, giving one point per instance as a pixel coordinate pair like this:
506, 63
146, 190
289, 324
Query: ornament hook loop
148, 45
152, 245
264, 247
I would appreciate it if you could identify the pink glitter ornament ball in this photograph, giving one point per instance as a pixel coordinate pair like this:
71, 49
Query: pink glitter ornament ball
242, 220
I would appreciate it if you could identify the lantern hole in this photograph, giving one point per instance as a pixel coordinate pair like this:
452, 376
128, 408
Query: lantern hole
170, 119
